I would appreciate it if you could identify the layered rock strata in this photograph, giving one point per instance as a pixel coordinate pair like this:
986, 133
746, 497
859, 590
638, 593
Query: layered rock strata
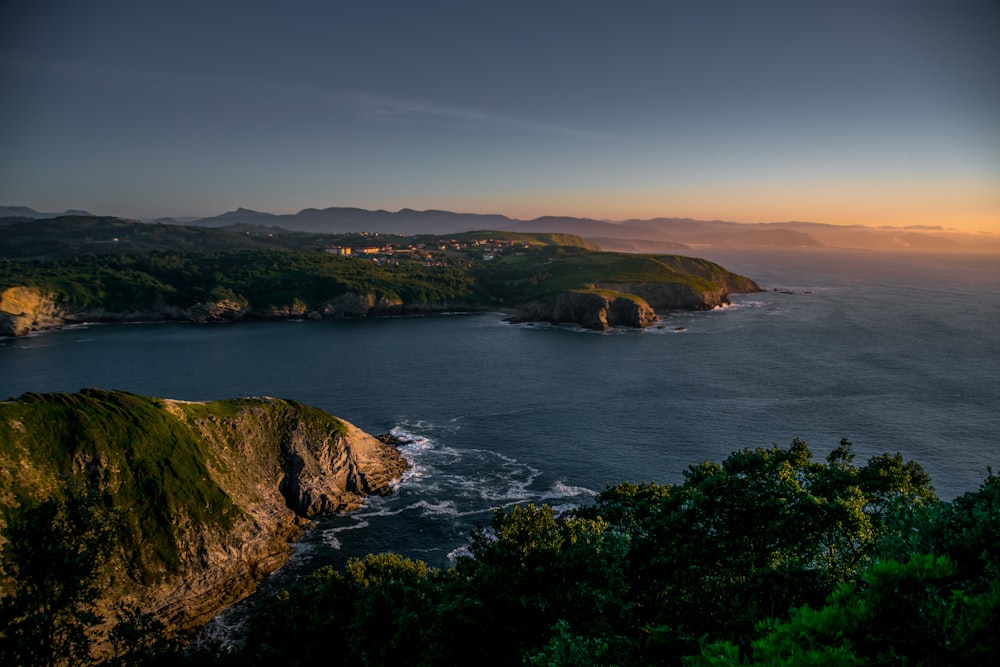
27, 309
589, 309
210, 493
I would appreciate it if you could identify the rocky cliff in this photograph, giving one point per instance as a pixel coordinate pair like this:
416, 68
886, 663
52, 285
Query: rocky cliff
598, 310
618, 304
552, 284
27, 309
206, 495
674, 296
601, 290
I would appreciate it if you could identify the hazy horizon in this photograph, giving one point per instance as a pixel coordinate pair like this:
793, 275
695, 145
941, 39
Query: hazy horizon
849, 113
295, 211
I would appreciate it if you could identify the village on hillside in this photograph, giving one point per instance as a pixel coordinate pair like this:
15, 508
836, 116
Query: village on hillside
386, 250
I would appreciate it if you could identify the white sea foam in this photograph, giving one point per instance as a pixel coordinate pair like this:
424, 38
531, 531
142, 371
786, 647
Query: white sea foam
329, 535
454, 485
439, 508
562, 490
459, 552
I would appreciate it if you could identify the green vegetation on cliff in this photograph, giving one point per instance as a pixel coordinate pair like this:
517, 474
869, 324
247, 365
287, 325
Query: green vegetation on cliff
262, 279
164, 466
562, 268
768, 558
144, 464
475, 270
115, 504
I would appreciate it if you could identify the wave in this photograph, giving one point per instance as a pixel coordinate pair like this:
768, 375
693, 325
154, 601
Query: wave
446, 494
459, 482
562, 490
459, 552
329, 535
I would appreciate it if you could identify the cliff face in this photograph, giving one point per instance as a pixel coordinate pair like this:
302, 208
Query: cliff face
619, 304
208, 494
592, 310
559, 284
674, 296
618, 289
27, 309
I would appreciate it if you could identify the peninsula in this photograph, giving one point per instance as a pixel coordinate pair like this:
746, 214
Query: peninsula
85, 269
199, 500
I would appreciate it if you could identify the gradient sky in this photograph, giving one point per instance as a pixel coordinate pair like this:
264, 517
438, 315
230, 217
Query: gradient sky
849, 112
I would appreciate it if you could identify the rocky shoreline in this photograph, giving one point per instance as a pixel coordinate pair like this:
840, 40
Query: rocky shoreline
271, 465
25, 310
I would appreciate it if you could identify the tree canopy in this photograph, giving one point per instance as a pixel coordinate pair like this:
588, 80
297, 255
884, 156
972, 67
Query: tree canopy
769, 557
741, 561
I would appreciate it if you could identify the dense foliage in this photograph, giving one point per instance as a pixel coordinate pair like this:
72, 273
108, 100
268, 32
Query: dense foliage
261, 279
65, 237
155, 267
53, 556
770, 557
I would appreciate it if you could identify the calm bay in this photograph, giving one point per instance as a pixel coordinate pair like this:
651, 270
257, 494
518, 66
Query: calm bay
898, 353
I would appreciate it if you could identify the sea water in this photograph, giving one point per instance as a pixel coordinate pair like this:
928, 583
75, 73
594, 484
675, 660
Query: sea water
898, 353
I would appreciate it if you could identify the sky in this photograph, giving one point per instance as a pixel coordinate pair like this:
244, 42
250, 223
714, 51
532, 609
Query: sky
871, 112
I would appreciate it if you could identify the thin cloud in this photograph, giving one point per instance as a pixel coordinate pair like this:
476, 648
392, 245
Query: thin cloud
371, 105
385, 107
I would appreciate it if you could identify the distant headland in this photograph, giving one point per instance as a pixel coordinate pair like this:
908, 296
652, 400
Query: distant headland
72, 269
659, 234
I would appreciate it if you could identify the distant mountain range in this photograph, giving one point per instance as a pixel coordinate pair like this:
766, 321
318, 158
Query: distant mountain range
25, 212
650, 235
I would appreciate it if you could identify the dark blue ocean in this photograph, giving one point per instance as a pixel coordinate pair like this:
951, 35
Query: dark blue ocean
898, 353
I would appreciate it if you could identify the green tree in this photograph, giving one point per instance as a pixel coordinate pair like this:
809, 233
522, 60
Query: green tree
966, 529
138, 639
50, 564
534, 576
763, 532
372, 613
914, 613
652, 573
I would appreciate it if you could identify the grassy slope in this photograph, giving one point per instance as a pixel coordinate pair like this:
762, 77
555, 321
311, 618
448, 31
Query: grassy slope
139, 460
147, 467
143, 464
266, 278
560, 269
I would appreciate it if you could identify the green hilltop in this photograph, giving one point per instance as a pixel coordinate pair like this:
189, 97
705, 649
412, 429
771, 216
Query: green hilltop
148, 466
193, 502
770, 557
225, 274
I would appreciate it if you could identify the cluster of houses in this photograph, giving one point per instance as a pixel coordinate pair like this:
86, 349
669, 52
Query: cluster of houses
491, 248
388, 252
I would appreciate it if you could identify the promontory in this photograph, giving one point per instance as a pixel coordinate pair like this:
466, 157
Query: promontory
113, 270
197, 501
